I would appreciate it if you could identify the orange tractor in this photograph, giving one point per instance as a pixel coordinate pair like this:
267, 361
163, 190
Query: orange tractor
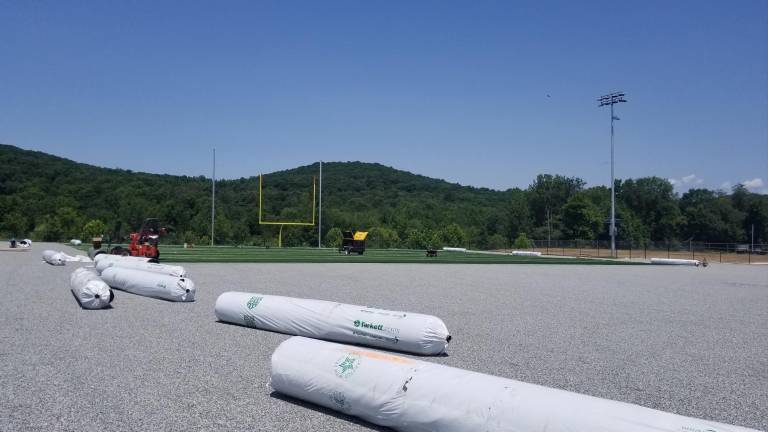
144, 243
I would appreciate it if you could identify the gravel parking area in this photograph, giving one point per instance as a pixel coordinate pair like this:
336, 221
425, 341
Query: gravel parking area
693, 341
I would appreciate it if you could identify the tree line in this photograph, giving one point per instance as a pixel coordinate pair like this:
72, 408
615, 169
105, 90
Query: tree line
48, 198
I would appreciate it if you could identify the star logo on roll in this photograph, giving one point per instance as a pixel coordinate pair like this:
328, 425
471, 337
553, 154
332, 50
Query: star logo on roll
347, 365
254, 301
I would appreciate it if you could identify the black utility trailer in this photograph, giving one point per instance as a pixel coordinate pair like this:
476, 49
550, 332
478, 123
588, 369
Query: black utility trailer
353, 242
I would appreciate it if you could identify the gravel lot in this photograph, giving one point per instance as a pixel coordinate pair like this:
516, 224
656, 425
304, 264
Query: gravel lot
688, 340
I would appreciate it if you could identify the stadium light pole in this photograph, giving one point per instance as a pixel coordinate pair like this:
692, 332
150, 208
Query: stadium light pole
320, 210
612, 99
213, 196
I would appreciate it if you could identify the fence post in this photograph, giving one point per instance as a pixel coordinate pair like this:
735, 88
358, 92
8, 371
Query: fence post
630, 250
749, 256
668, 249
645, 251
598, 248
721, 255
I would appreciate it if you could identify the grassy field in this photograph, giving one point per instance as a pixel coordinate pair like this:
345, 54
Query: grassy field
229, 254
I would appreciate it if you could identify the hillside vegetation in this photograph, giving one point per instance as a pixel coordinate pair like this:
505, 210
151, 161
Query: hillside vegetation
45, 197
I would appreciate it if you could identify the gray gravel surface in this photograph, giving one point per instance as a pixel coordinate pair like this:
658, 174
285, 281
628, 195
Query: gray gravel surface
687, 340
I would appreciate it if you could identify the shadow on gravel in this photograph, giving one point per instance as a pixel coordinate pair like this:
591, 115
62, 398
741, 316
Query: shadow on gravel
329, 412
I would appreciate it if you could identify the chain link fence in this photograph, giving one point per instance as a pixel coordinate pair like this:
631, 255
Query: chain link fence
712, 252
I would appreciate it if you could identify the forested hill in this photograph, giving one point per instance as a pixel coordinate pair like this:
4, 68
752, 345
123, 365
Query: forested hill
51, 198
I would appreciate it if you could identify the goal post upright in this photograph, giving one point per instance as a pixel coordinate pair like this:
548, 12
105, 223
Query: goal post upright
283, 223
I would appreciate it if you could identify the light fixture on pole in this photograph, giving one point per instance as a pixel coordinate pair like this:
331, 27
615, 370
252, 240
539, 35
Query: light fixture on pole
612, 99
320, 211
213, 196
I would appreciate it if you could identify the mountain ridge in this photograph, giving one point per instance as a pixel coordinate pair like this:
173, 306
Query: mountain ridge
49, 197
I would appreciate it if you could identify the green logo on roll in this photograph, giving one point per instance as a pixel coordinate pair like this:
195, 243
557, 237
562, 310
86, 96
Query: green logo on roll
347, 365
254, 301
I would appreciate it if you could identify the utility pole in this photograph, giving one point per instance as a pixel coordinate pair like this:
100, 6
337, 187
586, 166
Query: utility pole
213, 196
320, 211
612, 99
753, 238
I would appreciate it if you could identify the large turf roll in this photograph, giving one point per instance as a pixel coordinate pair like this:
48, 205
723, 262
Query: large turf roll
89, 289
674, 261
170, 270
104, 256
150, 284
415, 396
526, 253
401, 331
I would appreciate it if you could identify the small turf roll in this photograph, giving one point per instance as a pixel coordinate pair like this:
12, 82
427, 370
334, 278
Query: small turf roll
54, 258
89, 289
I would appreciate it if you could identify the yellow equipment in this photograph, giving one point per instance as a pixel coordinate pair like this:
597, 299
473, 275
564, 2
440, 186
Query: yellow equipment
353, 242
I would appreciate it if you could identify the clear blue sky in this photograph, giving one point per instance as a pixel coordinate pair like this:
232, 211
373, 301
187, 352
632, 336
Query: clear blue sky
454, 90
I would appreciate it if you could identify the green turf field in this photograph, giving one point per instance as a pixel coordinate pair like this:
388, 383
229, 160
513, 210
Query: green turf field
229, 254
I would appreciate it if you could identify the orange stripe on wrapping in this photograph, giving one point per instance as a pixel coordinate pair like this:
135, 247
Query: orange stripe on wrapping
381, 356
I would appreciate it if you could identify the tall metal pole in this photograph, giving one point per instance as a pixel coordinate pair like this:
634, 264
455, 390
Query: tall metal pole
213, 197
613, 196
612, 99
320, 211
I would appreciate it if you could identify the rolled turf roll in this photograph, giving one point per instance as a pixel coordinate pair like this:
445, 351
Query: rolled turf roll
150, 284
673, 261
401, 331
105, 256
526, 253
415, 396
170, 270
54, 258
89, 289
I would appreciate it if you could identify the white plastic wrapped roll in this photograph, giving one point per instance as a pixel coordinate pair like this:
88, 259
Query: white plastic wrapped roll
25, 243
170, 270
415, 396
54, 258
673, 261
105, 256
89, 289
526, 253
150, 284
401, 331
454, 249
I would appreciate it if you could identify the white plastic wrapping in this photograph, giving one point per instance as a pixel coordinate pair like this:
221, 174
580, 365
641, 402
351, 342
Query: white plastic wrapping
150, 284
526, 253
75, 242
54, 258
454, 249
25, 243
89, 289
400, 331
106, 256
171, 270
415, 396
673, 261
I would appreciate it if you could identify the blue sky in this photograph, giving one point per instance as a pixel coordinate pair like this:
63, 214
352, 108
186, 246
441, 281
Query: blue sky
481, 93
